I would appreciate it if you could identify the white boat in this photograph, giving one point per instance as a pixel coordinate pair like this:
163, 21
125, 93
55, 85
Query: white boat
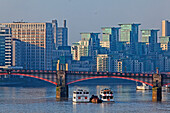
81, 96
106, 95
143, 87
167, 86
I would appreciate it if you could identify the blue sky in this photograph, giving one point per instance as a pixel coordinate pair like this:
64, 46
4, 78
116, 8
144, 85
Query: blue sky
87, 15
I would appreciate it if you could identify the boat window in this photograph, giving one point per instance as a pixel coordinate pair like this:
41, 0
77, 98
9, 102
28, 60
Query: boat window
108, 92
104, 92
107, 97
74, 92
74, 97
104, 97
111, 92
87, 92
111, 97
78, 93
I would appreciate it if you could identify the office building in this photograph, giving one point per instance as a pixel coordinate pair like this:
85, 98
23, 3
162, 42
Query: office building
18, 53
164, 42
149, 36
110, 37
62, 36
5, 47
74, 51
88, 46
103, 61
38, 40
129, 33
165, 28
55, 30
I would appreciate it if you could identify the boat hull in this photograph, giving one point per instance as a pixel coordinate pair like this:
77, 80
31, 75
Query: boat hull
143, 88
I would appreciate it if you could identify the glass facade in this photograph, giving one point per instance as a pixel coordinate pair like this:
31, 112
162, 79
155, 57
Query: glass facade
164, 40
129, 33
125, 33
5, 46
145, 35
110, 37
85, 36
2, 51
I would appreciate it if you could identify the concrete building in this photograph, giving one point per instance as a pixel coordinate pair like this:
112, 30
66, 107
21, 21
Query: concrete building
5, 47
38, 38
110, 37
103, 61
165, 28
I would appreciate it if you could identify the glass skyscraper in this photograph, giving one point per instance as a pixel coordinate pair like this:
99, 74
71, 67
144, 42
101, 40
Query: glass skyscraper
5, 47
129, 32
149, 36
110, 37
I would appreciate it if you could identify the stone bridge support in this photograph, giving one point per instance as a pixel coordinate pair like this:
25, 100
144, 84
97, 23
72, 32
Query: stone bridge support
157, 88
62, 88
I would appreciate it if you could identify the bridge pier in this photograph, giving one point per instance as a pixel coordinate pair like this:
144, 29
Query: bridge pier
157, 88
62, 88
61, 92
156, 94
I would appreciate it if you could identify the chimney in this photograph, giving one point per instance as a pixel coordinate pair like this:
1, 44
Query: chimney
64, 23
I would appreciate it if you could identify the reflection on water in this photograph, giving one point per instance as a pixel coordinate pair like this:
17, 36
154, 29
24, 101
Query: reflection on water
127, 99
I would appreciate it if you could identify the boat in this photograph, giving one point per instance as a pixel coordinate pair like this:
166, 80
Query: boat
106, 95
143, 87
81, 95
167, 86
95, 99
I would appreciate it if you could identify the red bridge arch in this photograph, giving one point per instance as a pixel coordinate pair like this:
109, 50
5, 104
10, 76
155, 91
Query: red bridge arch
126, 78
32, 76
166, 84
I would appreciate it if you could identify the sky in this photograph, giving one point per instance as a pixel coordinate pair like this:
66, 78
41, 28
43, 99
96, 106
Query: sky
87, 15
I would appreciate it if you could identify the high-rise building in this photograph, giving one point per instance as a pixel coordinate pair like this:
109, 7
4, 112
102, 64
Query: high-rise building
165, 28
164, 41
88, 46
149, 36
55, 30
38, 40
110, 36
62, 36
129, 33
103, 63
18, 53
74, 51
5, 47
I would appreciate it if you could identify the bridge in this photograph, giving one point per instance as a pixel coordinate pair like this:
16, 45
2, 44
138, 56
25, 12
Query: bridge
63, 78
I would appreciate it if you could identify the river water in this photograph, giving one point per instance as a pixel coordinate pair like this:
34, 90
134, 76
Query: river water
42, 100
